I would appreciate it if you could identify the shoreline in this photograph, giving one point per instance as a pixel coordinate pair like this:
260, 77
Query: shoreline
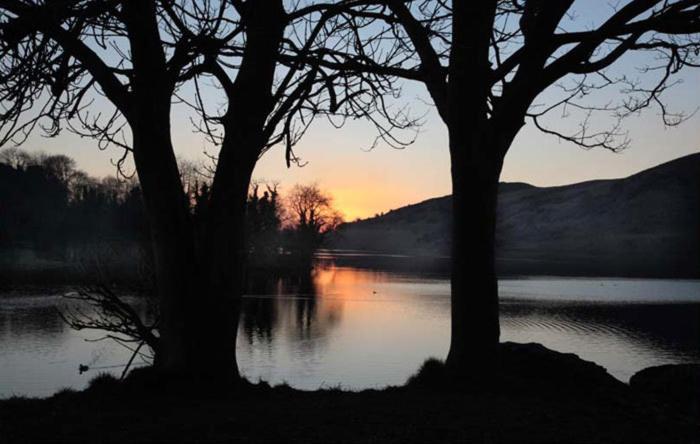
543, 396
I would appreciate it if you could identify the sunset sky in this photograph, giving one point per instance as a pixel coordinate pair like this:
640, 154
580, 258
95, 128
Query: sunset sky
364, 182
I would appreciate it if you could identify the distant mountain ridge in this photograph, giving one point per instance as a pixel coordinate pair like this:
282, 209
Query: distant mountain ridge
647, 224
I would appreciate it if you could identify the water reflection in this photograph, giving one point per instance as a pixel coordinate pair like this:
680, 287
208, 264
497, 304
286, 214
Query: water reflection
286, 306
365, 328
21, 319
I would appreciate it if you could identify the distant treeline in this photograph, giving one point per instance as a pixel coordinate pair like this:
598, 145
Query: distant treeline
47, 203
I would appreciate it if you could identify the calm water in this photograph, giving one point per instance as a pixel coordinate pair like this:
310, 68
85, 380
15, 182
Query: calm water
359, 328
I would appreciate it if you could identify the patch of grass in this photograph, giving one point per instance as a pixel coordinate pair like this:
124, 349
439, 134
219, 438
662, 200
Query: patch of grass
65, 392
148, 407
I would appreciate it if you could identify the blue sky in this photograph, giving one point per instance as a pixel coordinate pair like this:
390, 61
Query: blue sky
367, 182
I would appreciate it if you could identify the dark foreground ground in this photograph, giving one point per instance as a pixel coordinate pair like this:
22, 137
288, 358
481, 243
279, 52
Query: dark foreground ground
551, 397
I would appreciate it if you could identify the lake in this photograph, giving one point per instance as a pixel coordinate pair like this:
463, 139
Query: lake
362, 328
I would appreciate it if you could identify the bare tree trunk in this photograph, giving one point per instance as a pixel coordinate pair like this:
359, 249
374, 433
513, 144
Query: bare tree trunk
199, 269
224, 255
474, 294
222, 248
171, 230
194, 325
476, 166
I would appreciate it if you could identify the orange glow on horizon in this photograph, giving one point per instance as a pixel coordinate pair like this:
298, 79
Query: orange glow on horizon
366, 200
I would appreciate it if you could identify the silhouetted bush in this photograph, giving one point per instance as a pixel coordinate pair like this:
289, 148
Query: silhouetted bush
431, 374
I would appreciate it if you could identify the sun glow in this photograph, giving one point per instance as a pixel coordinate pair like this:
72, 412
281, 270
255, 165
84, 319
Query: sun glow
364, 200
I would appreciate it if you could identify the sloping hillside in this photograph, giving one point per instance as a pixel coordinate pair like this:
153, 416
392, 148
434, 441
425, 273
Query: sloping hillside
647, 224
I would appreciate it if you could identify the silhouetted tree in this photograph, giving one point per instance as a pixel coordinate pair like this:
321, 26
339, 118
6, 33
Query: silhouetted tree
15, 158
105, 209
48, 203
311, 218
485, 64
60, 167
57, 57
272, 96
34, 196
263, 222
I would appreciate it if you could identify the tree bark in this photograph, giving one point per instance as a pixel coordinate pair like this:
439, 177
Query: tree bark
200, 264
475, 330
172, 243
476, 166
221, 247
223, 253
194, 324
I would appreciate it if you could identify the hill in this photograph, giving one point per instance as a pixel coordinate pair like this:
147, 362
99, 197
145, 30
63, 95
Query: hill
647, 224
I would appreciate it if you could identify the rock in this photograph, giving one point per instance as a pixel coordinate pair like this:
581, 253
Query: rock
534, 367
678, 384
527, 368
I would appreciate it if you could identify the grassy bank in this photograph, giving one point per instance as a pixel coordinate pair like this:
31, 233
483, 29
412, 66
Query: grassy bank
541, 397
